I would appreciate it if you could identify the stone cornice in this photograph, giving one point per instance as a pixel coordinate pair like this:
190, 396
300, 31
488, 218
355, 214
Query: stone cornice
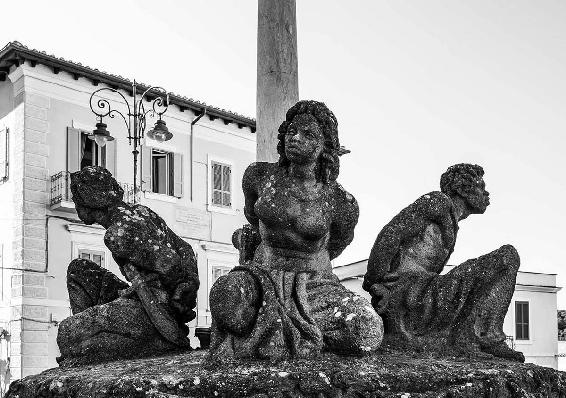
85, 229
537, 288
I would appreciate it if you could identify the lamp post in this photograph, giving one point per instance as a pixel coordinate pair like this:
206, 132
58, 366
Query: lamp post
135, 119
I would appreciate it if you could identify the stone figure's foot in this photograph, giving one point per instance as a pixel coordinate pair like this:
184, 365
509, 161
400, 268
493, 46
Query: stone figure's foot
502, 350
234, 302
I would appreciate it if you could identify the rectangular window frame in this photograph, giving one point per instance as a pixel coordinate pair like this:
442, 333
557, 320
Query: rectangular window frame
90, 255
101, 154
522, 327
214, 207
168, 172
212, 265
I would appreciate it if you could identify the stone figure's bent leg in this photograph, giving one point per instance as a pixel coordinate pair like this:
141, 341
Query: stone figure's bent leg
490, 280
89, 284
348, 322
234, 302
502, 266
472, 300
120, 328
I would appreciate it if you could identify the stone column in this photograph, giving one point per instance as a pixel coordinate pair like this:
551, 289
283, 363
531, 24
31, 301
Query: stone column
277, 75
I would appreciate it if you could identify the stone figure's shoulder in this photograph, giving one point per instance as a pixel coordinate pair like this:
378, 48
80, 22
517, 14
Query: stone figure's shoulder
342, 197
430, 206
257, 171
434, 203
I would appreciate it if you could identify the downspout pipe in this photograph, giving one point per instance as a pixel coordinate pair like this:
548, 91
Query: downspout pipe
195, 120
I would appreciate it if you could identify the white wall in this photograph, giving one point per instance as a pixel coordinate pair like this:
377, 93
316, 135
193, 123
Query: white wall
537, 290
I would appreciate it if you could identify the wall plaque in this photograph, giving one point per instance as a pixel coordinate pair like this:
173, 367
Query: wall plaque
193, 223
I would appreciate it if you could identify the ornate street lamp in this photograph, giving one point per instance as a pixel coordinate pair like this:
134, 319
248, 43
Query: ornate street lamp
135, 119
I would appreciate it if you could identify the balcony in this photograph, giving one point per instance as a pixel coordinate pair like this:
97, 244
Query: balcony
61, 197
510, 341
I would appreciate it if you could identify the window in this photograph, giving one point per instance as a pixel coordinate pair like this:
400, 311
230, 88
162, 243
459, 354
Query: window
91, 153
4, 153
221, 184
217, 272
521, 320
162, 172
92, 255
82, 152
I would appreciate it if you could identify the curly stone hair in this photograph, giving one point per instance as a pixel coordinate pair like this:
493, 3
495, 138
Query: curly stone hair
462, 175
95, 188
329, 162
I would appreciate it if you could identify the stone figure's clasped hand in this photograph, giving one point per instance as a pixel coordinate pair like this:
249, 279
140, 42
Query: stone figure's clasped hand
184, 299
246, 240
381, 292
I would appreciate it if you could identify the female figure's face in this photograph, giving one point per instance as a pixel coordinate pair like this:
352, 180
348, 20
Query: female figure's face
304, 141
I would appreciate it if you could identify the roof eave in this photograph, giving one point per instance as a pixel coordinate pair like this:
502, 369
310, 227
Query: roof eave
15, 55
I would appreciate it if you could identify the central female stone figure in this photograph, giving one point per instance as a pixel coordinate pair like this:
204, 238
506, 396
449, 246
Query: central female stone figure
284, 301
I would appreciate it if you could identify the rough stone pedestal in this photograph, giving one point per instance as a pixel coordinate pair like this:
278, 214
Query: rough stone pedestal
384, 374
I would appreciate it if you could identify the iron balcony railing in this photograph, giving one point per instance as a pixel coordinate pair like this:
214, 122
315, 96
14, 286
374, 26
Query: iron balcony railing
61, 189
129, 192
510, 340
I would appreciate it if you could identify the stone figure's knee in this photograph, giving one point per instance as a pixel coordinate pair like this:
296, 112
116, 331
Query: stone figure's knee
509, 257
234, 301
80, 266
364, 325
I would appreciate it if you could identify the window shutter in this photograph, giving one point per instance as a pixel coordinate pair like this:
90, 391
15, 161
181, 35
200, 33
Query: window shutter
177, 175
216, 184
145, 168
226, 194
4, 154
110, 154
73, 149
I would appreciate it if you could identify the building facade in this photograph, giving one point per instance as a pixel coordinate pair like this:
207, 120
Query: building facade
192, 181
530, 323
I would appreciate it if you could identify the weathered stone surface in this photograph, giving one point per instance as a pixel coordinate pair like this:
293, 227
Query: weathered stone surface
461, 310
110, 318
285, 302
383, 374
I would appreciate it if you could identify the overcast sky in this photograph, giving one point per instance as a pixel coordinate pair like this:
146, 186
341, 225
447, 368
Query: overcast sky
416, 86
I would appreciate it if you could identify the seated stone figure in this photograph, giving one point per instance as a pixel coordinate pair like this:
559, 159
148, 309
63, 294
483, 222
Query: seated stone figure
460, 310
283, 301
112, 319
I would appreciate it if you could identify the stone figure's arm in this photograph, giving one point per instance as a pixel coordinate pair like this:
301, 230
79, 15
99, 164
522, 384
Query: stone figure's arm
187, 255
344, 220
249, 186
386, 248
436, 208
184, 296
135, 245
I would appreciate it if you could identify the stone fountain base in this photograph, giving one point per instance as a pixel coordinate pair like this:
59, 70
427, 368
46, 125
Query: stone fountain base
385, 374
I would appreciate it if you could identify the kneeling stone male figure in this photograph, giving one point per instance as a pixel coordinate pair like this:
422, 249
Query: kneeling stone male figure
462, 309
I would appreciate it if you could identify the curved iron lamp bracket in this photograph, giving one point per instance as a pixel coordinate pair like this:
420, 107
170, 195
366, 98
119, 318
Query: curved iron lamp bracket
159, 104
101, 107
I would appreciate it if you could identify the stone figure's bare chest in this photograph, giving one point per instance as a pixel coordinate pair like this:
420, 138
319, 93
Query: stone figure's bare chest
289, 206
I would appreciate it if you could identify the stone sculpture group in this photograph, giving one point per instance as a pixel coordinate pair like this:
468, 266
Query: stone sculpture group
285, 301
